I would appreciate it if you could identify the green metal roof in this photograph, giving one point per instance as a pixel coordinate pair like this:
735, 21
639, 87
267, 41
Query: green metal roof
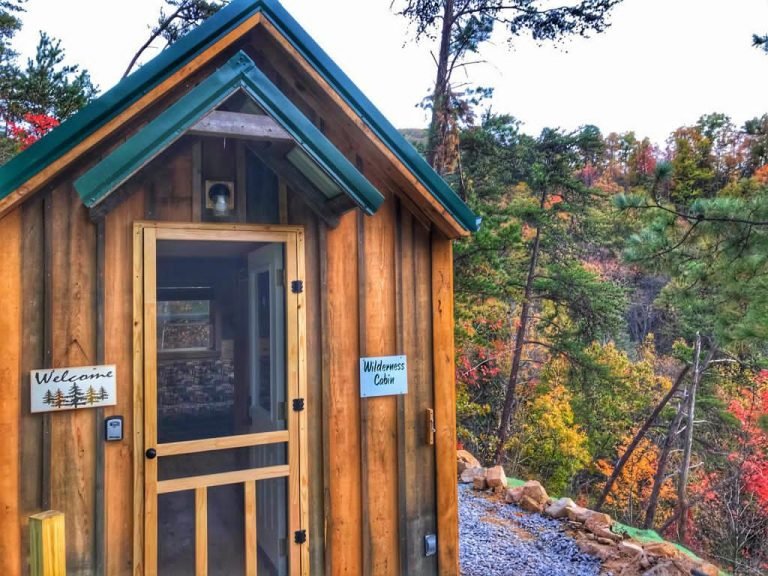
239, 73
113, 102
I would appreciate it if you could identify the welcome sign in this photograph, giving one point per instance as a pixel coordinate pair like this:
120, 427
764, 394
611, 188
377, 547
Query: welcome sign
57, 389
383, 376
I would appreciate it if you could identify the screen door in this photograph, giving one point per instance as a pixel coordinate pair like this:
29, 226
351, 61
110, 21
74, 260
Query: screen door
222, 327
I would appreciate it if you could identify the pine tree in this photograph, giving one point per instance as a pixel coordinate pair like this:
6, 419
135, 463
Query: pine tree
75, 396
462, 26
48, 398
35, 98
59, 400
103, 394
91, 396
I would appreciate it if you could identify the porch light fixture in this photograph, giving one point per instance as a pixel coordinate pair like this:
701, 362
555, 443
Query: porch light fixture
220, 199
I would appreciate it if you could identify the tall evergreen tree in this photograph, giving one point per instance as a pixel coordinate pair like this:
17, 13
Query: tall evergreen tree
462, 26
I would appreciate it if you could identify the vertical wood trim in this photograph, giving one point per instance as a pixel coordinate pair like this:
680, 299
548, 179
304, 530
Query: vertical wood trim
73, 329
299, 213
445, 404
138, 400
47, 338
251, 536
241, 186
343, 540
201, 531
47, 544
401, 246
10, 404
362, 316
99, 517
32, 357
150, 400
325, 386
379, 424
293, 389
197, 180
119, 457
282, 200
301, 311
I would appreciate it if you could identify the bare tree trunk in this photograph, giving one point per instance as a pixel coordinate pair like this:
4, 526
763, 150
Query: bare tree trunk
638, 437
682, 486
661, 467
517, 355
152, 37
439, 123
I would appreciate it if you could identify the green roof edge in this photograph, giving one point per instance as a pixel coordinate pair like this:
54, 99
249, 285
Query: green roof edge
124, 93
240, 72
72, 131
373, 118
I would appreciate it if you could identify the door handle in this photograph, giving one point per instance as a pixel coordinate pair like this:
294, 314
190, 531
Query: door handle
430, 421
151, 453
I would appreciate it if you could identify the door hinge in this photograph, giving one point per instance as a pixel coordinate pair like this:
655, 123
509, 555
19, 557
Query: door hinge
298, 404
297, 286
300, 536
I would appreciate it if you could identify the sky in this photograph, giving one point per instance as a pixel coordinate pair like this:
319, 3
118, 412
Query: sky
661, 65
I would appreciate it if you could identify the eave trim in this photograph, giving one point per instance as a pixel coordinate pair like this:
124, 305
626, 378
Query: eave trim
239, 73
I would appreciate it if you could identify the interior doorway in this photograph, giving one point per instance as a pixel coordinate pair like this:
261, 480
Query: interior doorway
221, 324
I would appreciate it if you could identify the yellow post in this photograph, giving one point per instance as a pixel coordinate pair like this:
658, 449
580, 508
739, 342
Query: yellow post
47, 548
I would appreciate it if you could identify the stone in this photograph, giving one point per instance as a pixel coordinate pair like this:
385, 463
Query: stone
707, 569
480, 483
666, 568
468, 475
630, 549
530, 505
465, 460
513, 495
535, 491
496, 477
598, 518
605, 541
661, 550
576, 513
594, 549
557, 508
600, 525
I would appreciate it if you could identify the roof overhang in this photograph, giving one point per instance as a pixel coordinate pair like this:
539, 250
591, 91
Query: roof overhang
136, 94
239, 73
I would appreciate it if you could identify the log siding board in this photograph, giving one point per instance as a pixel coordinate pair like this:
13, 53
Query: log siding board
379, 414
344, 518
445, 405
32, 357
10, 402
418, 505
118, 350
73, 339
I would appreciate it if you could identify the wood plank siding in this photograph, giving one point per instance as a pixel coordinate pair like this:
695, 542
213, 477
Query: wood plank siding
374, 286
10, 404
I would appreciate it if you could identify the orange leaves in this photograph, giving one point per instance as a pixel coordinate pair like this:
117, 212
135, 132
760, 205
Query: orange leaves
633, 487
761, 175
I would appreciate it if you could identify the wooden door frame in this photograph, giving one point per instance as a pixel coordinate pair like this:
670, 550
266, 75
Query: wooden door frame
296, 365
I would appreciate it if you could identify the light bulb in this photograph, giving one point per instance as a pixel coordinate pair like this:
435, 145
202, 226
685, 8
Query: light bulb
220, 207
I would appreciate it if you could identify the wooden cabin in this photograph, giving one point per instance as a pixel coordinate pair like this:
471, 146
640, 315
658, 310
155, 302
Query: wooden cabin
227, 325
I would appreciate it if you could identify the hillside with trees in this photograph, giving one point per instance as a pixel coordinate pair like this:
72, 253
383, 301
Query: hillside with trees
611, 323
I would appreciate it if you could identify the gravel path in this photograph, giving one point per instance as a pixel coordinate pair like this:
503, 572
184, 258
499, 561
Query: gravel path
497, 539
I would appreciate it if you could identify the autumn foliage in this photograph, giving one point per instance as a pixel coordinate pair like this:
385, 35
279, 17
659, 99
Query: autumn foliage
33, 127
